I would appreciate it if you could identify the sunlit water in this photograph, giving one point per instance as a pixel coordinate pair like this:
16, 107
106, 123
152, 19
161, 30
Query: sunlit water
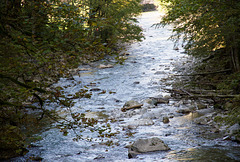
142, 76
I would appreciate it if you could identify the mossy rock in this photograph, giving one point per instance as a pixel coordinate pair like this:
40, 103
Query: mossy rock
11, 142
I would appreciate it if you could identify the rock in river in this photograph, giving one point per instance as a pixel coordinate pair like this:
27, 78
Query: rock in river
165, 120
146, 145
131, 105
102, 66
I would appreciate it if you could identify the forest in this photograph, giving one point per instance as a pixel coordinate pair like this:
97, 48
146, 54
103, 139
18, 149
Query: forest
41, 40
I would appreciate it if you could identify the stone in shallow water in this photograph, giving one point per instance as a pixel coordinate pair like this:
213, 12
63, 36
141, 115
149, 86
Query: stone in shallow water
146, 145
131, 103
102, 66
165, 120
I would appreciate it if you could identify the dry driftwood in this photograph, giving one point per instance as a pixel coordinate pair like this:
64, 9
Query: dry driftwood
132, 107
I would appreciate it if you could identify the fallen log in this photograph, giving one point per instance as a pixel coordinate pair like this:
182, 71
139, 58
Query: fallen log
132, 107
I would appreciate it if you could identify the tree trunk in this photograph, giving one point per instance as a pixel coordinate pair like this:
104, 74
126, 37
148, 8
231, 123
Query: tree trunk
234, 53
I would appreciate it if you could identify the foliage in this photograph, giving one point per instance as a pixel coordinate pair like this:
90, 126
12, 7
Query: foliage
40, 40
206, 26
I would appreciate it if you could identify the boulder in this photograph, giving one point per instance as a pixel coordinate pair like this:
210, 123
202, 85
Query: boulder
146, 145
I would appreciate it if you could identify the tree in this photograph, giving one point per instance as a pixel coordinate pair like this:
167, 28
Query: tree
206, 26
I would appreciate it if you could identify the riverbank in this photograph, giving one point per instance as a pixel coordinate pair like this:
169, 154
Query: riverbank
145, 78
205, 81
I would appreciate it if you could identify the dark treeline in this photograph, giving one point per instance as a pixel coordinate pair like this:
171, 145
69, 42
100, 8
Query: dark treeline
207, 26
210, 30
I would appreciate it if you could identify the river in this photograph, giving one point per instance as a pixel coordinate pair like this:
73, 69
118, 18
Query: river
145, 73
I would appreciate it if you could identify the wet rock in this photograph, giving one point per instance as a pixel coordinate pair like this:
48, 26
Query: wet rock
92, 84
201, 106
95, 89
160, 100
83, 69
131, 103
184, 111
99, 157
148, 101
136, 82
102, 66
234, 132
175, 48
146, 145
132, 126
151, 101
234, 129
165, 120
202, 120
167, 97
159, 72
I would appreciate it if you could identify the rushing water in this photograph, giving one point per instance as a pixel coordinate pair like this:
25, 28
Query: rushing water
143, 75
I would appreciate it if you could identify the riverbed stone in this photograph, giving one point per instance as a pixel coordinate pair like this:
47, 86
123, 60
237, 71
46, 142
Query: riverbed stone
131, 103
158, 100
184, 111
95, 89
201, 106
165, 120
159, 72
146, 145
102, 66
